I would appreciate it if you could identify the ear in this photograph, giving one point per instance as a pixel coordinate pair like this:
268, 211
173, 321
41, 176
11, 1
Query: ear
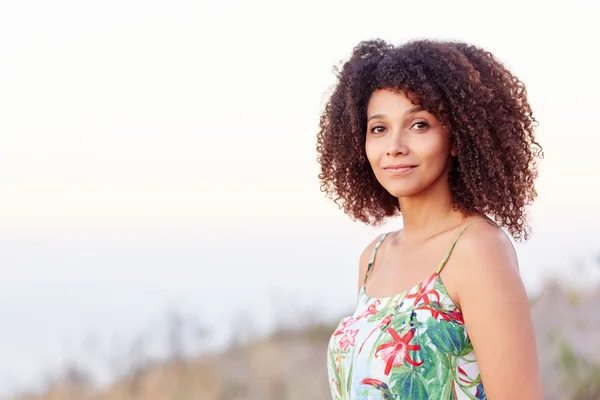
453, 150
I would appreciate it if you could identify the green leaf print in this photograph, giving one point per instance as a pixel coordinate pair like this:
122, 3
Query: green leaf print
334, 370
399, 373
408, 384
446, 367
400, 322
436, 390
467, 349
447, 392
430, 363
349, 375
446, 337
384, 310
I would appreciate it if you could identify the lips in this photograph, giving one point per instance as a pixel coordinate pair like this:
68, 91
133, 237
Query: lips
399, 169
399, 166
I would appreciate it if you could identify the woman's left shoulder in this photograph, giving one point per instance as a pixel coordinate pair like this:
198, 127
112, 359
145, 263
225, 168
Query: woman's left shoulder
485, 249
496, 312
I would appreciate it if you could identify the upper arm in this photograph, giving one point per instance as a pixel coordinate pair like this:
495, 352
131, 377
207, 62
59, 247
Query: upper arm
364, 262
497, 315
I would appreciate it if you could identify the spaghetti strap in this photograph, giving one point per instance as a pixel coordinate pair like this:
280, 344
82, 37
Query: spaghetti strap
443, 263
373, 256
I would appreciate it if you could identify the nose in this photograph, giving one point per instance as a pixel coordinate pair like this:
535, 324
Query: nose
397, 143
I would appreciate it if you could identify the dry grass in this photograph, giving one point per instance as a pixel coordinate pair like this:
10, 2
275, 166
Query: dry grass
291, 364
286, 365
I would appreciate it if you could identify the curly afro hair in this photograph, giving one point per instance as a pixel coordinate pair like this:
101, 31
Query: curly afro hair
469, 91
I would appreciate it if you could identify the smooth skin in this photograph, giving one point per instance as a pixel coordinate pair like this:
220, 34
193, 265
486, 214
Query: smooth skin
481, 276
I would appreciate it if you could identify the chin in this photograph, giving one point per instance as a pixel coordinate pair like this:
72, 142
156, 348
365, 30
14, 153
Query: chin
408, 187
403, 191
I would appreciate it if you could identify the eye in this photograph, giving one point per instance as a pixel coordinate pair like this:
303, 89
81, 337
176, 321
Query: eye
424, 125
374, 129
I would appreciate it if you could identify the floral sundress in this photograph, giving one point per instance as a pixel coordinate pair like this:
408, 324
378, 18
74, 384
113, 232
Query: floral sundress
413, 345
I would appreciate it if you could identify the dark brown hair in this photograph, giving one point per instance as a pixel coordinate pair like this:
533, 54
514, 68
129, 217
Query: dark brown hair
468, 90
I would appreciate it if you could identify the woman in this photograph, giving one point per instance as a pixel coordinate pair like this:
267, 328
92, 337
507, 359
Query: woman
440, 133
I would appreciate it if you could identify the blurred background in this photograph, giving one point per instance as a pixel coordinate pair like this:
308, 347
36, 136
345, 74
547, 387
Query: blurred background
162, 231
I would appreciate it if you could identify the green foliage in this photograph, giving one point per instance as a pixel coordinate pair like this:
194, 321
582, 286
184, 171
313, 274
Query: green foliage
408, 385
580, 375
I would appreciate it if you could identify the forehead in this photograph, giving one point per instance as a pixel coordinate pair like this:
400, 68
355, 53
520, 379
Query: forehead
391, 101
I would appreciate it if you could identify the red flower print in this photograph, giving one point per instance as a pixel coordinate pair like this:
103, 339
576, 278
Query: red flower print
348, 339
455, 315
374, 382
463, 373
438, 310
343, 326
382, 387
425, 289
395, 352
384, 322
372, 310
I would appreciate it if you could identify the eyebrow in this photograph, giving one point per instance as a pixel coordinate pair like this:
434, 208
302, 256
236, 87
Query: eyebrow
411, 111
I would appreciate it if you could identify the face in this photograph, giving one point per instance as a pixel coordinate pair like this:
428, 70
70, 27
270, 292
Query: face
408, 148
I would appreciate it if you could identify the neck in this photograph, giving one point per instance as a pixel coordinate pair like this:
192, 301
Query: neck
429, 212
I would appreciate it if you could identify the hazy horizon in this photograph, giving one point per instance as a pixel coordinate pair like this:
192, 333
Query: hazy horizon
156, 156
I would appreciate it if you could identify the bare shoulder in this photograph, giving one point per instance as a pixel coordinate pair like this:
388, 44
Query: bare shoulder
364, 260
485, 251
496, 313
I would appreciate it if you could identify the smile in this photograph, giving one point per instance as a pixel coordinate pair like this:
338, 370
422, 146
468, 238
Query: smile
399, 170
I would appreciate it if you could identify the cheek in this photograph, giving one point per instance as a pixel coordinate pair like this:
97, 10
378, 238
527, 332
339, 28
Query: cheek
434, 154
371, 152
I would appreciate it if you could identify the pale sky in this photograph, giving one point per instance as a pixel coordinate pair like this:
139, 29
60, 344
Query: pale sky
164, 113
127, 127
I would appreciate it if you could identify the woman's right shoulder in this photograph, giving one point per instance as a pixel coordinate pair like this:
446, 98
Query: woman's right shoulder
365, 257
